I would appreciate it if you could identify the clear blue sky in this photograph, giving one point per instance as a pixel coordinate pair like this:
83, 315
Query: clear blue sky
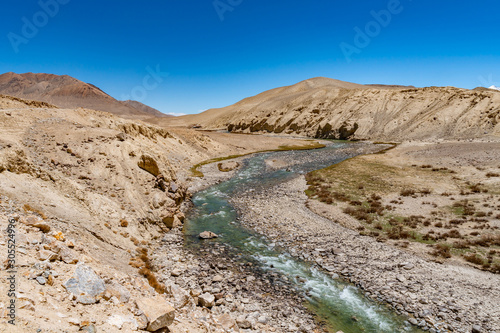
258, 45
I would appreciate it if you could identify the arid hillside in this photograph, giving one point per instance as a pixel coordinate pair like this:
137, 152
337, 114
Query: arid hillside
67, 92
327, 108
145, 108
92, 195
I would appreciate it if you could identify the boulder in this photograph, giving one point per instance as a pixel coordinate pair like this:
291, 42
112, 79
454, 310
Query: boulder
149, 164
159, 313
86, 285
208, 235
172, 221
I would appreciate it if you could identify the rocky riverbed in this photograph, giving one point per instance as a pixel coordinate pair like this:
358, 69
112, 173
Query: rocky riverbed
436, 297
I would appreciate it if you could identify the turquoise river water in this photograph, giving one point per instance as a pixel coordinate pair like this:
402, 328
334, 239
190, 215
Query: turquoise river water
332, 299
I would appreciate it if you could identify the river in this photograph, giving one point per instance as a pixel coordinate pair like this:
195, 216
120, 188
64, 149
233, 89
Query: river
338, 303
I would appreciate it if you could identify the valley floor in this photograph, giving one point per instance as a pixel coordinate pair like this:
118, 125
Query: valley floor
438, 293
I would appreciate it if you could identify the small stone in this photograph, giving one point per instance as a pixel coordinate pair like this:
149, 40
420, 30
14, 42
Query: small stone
476, 329
207, 300
74, 321
114, 289
68, 256
176, 272
217, 278
47, 255
41, 280
226, 321
26, 305
208, 235
413, 321
121, 136
88, 329
173, 187
243, 322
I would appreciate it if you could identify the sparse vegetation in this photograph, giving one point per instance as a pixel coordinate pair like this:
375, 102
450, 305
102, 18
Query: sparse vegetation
142, 262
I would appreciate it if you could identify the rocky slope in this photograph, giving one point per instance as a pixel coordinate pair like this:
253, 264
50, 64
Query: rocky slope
326, 108
68, 92
145, 108
96, 201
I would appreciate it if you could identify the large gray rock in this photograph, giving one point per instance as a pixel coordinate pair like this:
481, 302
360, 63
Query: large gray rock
86, 285
159, 313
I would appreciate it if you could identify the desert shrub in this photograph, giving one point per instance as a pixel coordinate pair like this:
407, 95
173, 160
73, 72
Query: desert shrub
359, 214
473, 258
398, 232
153, 282
425, 191
454, 233
123, 223
142, 262
407, 192
461, 244
438, 225
492, 174
441, 250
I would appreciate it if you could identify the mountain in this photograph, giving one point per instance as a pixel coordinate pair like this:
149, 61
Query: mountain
327, 108
494, 88
67, 92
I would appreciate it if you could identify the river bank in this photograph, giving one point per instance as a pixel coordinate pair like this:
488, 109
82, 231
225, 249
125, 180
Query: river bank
438, 297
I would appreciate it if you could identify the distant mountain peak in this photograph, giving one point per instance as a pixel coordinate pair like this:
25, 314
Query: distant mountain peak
494, 88
67, 92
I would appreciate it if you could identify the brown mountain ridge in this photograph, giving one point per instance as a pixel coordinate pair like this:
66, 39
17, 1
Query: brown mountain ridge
67, 92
